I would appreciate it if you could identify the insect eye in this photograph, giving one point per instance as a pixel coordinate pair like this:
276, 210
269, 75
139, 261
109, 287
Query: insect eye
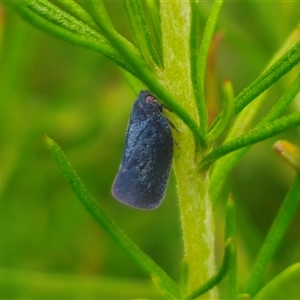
150, 99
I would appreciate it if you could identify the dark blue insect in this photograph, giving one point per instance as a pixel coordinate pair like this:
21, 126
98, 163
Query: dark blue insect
145, 168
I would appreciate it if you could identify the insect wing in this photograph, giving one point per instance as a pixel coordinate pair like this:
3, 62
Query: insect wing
143, 175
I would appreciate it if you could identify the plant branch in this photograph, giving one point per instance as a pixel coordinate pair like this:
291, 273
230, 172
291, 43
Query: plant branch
222, 272
143, 260
78, 12
258, 134
283, 103
222, 168
195, 205
51, 19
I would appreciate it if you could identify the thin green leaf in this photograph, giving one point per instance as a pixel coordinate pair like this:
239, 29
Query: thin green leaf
283, 103
143, 260
78, 12
122, 45
105, 18
198, 59
242, 123
166, 294
48, 17
279, 108
222, 272
58, 17
222, 168
283, 286
255, 135
274, 237
154, 20
269, 77
225, 116
140, 32
230, 222
197, 81
207, 37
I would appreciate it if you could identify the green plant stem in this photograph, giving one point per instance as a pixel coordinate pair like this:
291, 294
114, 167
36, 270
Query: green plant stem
118, 42
143, 260
228, 258
274, 237
195, 205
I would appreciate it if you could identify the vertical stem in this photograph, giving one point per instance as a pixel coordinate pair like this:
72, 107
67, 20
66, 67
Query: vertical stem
195, 204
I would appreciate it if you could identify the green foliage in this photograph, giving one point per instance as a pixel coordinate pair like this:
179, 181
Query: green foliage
158, 46
108, 224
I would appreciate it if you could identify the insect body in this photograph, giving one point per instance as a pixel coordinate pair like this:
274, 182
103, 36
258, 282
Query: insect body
145, 168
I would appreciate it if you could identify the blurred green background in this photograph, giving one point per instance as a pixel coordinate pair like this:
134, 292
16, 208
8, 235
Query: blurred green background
81, 100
